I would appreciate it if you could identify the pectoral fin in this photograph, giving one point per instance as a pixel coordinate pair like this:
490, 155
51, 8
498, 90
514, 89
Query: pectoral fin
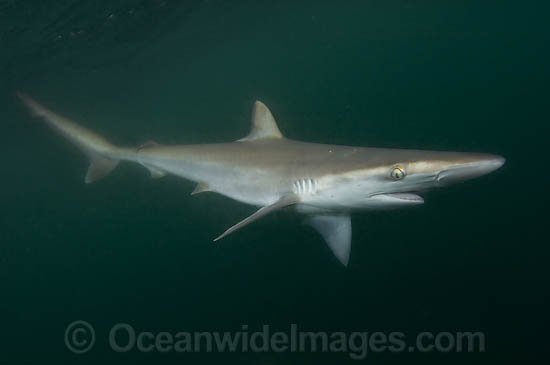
336, 230
281, 203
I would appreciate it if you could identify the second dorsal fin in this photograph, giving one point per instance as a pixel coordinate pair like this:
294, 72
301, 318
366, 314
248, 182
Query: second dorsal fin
263, 124
148, 144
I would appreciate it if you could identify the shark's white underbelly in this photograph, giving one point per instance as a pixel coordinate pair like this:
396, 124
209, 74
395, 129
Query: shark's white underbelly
258, 186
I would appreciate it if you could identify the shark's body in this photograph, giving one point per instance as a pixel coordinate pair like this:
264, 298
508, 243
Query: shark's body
267, 170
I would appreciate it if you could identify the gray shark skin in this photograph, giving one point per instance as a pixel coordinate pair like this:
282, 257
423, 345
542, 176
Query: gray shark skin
264, 169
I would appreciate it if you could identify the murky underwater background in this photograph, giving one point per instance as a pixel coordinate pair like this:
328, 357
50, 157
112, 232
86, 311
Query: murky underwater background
464, 76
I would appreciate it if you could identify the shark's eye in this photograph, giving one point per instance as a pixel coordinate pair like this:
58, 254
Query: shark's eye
397, 173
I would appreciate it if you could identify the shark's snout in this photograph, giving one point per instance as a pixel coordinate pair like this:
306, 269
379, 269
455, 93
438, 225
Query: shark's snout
469, 170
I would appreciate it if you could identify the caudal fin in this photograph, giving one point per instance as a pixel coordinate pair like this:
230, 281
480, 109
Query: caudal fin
100, 152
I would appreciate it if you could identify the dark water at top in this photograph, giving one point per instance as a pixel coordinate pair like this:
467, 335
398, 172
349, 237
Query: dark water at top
468, 76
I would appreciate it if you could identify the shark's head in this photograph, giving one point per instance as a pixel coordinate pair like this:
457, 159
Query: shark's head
393, 178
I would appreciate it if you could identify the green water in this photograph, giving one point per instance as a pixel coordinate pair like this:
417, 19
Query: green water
462, 76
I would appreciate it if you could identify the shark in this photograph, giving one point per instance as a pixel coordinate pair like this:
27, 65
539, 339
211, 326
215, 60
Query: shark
324, 183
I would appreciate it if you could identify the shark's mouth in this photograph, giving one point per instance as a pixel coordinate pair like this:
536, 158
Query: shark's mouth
401, 197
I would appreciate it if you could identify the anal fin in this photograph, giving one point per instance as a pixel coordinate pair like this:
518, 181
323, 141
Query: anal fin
201, 188
99, 167
281, 203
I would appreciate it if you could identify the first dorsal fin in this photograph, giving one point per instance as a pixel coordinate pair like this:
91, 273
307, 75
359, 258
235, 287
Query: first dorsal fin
263, 124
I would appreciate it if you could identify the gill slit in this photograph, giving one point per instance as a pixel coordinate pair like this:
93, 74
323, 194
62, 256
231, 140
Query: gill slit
305, 186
